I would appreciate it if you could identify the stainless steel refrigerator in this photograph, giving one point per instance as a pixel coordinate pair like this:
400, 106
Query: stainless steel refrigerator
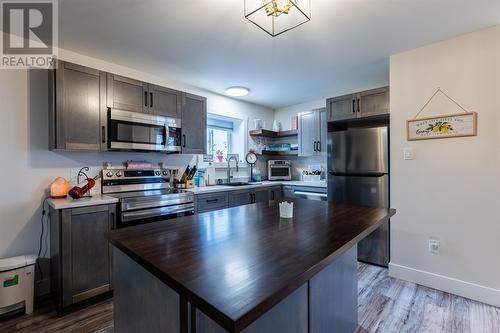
358, 173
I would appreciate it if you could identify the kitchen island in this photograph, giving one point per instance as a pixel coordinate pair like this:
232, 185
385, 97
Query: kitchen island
242, 269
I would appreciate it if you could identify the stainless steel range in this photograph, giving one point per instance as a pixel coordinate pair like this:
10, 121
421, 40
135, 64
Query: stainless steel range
145, 196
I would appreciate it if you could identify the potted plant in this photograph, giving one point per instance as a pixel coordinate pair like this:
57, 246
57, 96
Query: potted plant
220, 155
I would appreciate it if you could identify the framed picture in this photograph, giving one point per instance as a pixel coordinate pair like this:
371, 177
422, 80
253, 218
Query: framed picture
443, 126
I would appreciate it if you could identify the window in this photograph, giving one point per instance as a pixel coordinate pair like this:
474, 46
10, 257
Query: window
219, 143
225, 135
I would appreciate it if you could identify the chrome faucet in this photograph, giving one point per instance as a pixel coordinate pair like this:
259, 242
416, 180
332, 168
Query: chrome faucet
229, 167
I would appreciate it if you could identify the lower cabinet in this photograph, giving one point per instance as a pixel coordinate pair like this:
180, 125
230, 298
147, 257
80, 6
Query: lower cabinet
245, 197
211, 201
260, 195
220, 200
240, 198
276, 193
81, 259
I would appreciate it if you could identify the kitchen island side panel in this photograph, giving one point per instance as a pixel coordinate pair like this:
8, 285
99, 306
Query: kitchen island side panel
333, 296
326, 303
142, 303
289, 315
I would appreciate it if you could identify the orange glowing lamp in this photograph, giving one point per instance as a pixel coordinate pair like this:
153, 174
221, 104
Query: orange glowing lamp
59, 188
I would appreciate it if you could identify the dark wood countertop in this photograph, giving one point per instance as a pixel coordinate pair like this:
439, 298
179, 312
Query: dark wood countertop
236, 264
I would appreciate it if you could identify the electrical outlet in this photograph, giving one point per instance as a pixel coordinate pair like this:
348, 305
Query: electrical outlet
434, 245
408, 153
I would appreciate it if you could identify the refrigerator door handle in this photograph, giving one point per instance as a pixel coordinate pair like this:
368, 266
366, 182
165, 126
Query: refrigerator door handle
358, 174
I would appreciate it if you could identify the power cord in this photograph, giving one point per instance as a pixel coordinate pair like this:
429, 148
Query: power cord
41, 242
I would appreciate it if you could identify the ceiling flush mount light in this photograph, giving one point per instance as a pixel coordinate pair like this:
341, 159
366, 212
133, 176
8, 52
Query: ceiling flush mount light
237, 91
277, 16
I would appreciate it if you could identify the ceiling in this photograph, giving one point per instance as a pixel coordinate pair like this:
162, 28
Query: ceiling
209, 44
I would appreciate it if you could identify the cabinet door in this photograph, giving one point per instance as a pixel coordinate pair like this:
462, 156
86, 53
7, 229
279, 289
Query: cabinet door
194, 124
127, 94
342, 107
276, 193
86, 254
323, 131
261, 195
76, 116
211, 201
308, 133
374, 102
164, 101
239, 198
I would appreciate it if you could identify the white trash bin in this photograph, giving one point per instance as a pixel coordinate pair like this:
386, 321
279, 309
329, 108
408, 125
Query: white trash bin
17, 280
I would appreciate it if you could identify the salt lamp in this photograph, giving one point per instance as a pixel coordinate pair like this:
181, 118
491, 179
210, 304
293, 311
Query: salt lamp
59, 188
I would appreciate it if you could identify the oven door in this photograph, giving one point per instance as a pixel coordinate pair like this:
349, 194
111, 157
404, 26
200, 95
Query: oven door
136, 131
135, 217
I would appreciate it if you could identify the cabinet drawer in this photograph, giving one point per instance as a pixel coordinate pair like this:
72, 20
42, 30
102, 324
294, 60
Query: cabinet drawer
209, 202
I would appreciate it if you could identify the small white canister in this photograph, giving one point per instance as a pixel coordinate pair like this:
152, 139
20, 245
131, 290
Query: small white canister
286, 210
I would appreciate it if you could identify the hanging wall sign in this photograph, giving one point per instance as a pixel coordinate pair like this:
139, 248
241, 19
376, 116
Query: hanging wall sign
442, 126
448, 126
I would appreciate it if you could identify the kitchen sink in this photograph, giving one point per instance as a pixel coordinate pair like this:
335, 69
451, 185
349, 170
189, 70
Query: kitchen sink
238, 184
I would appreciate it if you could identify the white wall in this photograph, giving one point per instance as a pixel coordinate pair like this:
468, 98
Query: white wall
28, 166
284, 115
451, 191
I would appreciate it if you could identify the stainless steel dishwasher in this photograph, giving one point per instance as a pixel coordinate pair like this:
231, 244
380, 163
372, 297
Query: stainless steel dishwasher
305, 192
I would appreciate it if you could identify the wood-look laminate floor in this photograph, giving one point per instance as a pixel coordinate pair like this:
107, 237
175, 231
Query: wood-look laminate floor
385, 305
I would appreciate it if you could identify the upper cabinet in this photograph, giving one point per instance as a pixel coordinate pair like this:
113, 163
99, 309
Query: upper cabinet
342, 107
127, 94
80, 98
77, 107
194, 124
165, 102
374, 102
137, 96
368, 103
313, 128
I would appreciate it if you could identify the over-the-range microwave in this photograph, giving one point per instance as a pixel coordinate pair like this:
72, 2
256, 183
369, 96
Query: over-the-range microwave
134, 131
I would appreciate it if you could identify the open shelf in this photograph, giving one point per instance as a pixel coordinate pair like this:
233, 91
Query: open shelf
280, 153
273, 134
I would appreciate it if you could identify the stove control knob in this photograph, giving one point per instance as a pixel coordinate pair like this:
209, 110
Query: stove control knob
109, 174
118, 174
158, 173
165, 172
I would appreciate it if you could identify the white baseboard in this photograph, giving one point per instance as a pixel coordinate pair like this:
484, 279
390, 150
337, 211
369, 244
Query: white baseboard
444, 283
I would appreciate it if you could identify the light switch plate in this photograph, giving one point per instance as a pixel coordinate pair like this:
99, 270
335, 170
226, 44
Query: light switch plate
408, 153
434, 245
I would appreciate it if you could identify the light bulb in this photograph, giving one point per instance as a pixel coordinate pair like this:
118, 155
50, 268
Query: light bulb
277, 7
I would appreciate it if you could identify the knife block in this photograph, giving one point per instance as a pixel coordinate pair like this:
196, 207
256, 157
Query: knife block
190, 183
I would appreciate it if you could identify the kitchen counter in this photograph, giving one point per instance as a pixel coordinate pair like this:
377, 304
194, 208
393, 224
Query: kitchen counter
243, 269
69, 202
99, 199
225, 188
